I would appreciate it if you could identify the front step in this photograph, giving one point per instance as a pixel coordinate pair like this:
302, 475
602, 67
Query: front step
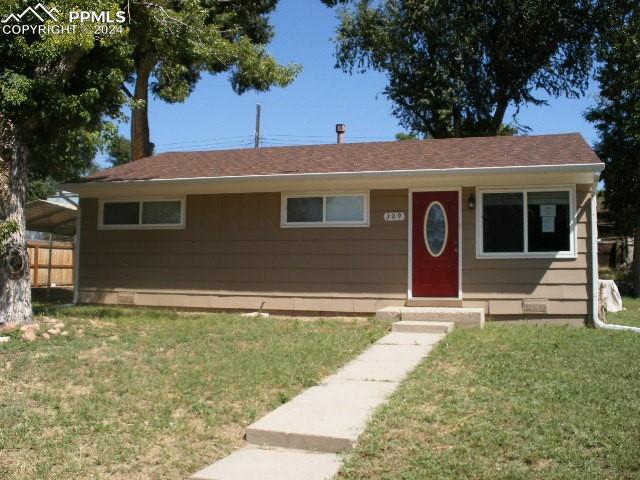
462, 317
433, 302
412, 326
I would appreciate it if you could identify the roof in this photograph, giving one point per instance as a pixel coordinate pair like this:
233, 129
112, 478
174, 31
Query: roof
45, 216
410, 155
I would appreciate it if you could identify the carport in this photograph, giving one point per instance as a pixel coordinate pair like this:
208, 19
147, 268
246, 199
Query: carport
54, 219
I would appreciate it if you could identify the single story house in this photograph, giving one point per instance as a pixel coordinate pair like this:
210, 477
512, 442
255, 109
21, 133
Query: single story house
502, 223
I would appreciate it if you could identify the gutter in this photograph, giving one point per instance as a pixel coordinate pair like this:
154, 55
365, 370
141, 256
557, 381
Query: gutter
595, 288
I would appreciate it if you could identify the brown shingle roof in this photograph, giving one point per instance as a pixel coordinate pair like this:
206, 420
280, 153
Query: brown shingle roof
476, 152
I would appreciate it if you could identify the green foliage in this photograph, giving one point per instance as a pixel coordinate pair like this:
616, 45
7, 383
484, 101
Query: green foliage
400, 136
180, 40
455, 66
7, 229
617, 115
59, 90
119, 151
41, 188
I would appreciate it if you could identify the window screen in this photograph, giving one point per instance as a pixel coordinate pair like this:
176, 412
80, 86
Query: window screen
161, 213
345, 209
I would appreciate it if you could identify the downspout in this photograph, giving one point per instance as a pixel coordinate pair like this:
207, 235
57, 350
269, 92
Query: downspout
595, 289
76, 256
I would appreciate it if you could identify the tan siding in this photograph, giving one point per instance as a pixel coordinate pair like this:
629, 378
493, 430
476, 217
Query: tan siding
500, 285
234, 254
235, 243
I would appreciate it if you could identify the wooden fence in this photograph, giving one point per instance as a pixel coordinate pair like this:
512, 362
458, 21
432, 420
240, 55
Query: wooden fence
50, 265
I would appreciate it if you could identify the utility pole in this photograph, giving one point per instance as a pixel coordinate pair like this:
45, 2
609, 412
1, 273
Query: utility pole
257, 136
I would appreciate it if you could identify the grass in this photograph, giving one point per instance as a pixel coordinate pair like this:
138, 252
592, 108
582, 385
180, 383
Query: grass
629, 316
512, 402
139, 394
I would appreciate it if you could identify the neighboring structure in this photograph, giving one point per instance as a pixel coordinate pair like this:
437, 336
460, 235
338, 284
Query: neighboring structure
614, 250
502, 223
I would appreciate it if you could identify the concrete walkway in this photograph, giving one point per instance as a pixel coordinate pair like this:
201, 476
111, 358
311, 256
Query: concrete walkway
304, 437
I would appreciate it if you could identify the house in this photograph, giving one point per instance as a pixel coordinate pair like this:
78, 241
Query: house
501, 223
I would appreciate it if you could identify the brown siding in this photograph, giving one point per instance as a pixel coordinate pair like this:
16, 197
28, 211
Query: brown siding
234, 254
233, 245
501, 285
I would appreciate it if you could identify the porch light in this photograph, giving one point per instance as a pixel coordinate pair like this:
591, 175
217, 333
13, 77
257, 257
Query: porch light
471, 202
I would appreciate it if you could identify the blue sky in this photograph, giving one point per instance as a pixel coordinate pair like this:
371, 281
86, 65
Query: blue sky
306, 112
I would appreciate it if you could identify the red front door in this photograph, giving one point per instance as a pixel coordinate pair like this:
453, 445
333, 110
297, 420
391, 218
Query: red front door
434, 244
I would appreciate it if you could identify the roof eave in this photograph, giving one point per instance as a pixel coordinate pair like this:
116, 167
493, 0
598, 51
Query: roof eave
89, 187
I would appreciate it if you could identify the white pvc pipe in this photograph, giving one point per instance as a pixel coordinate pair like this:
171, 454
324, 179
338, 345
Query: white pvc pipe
595, 289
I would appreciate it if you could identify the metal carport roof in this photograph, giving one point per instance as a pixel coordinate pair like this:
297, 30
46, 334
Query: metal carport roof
50, 217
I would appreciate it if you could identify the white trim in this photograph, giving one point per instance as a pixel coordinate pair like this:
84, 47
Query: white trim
446, 229
573, 224
410, 242
324, 223
140, 225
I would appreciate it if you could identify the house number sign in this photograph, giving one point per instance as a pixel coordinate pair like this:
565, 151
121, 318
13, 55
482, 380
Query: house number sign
393, 216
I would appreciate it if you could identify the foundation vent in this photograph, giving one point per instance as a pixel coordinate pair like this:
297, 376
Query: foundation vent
534, 306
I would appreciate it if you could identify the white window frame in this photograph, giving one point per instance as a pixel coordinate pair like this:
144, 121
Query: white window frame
573, 230
324, 223
140, 225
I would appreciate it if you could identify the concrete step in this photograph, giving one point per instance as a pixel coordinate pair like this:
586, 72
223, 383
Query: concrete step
252, 463
433, 302
414, 326
327, 418
461, 317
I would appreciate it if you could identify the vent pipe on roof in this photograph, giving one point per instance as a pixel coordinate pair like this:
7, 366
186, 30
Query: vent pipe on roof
340, 129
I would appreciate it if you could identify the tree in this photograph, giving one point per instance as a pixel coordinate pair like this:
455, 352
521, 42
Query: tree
119, 151
57, 91
504, 131
455, 66
617, 119
402, 136
174, 42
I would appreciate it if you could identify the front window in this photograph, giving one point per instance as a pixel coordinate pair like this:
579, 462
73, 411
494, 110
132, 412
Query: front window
142, 214
325, 210
535, 223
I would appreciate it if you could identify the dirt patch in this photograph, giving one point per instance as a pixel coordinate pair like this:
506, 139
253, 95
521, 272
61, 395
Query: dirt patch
95, 354
100, 324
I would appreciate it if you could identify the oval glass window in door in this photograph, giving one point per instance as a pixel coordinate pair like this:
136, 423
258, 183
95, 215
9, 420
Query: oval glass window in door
435, 229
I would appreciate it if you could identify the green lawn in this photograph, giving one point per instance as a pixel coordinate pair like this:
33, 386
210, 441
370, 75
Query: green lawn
629, 316
512, 402
142, 394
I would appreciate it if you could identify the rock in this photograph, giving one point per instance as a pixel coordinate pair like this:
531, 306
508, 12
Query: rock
59, 325
9, 327
45, 336
29, 332
4, 339
65, 333
53, 331
255, 315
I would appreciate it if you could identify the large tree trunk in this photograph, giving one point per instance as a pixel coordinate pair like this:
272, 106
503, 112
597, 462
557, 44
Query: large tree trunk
15, 285
141, 145
636, 262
